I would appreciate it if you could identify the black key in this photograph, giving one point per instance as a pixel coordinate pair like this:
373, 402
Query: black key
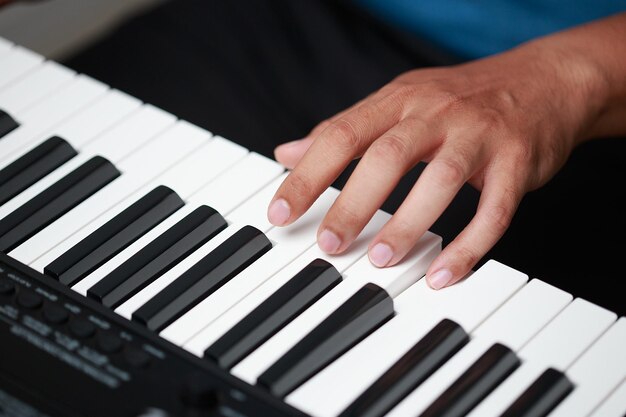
55, 201
493, 367
158, 257
306, 287
201, 280
424, 358
32, 166
548, 390
354, 320
7, 123
114, 236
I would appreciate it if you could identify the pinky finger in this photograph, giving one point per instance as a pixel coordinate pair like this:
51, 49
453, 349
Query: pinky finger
498, 203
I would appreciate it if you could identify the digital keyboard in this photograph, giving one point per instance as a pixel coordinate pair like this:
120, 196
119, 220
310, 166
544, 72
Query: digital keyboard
139, 276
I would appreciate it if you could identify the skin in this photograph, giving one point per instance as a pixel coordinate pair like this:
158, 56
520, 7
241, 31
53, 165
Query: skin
505, 124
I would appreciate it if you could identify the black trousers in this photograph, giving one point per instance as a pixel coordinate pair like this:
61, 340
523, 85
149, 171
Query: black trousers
262, 72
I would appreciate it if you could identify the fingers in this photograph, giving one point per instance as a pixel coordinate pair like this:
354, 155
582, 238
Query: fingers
498, 202
329, 154
378, 172
434, 190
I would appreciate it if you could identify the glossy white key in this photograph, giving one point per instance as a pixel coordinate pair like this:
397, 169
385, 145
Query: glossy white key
44, 115
614, 405
418, 310
137, 169
557, 346
289, 242
393, 279
17, 63
513, 324
203, 165
40, 82
596, 374
198, 344
5, 46
114, 144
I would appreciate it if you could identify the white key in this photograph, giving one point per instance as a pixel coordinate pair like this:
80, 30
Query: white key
418, 310
557, 346
596, 374
201, 166
393, 279
80, 92
513, 324
17, 63
113, 145
139, 168
198, 344
289, 242
614, 405
5, 46
40, 82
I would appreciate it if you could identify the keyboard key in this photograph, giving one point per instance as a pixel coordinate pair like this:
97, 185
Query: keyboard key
213, 271
32, 166
114, 236
17, 63
475, 383
55, 201
614, 405
542, 396
295, 296
360, 315
443, 341
159, 256
7, 124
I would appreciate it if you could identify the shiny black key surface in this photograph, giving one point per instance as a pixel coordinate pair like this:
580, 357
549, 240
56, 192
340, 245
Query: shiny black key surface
55, 201
306, 287
542, 396
7, 123
214, 270
493, 367
32, 166
158, 257
413, 368
115, 235
350, 323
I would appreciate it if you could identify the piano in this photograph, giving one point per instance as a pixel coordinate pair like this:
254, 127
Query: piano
139, 276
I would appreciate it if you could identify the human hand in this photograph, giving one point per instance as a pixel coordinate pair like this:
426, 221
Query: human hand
505, 124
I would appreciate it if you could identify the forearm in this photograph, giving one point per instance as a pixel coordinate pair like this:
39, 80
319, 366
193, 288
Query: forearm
594, 56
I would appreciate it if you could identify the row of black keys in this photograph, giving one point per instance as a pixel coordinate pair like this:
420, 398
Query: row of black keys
359, 316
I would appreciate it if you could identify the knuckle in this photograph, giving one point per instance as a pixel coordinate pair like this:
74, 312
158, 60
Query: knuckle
298, 186
451, 100
346, 216
343, 134
465, 257
392, 148
448, 172
499, 217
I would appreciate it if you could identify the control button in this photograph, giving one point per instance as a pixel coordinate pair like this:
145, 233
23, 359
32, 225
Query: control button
198, 393
55, 314
109, 343
6, 287
82, 328
29, 299
136, 357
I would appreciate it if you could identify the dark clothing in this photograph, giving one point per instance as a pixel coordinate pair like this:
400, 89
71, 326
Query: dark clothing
263, 72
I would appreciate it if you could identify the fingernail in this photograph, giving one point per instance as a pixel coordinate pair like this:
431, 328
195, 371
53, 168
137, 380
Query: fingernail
380, 254
279, 212
439, 279
328, 241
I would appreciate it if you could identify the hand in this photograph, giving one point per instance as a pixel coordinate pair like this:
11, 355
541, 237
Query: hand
505, 124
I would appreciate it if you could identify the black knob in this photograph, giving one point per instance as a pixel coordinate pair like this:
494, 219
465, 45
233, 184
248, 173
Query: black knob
29, 299
6, 287
55, 314
198, 392
109, 343
136, 357
82, 328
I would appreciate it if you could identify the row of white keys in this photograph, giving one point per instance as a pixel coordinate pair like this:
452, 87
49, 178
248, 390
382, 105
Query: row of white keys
513, 324
615, 404
114, 144
17, 63
204, 164
137, 169
218, 327
557, 346
596, 374
393, 279
44, 115
5, 46
246, 166
288, 243
418, 310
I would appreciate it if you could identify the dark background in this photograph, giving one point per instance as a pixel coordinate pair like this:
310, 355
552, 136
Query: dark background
263, 72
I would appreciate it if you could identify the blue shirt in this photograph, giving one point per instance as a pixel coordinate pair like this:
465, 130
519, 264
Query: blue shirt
476, 28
